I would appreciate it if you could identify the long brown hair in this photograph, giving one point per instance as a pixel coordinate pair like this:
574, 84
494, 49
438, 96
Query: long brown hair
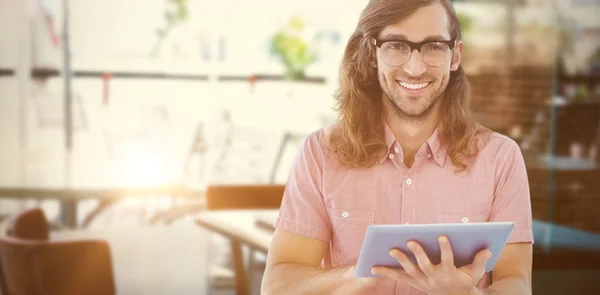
358, 137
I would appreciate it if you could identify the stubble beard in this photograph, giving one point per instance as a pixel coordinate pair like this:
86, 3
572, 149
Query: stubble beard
392, 102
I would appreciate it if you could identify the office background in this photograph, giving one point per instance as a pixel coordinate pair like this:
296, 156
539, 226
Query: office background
110, 111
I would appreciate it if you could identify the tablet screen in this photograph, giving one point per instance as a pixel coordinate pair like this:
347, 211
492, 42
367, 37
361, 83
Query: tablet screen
466, 239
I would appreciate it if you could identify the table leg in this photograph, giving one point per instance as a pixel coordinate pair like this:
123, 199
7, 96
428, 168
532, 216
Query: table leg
103, 205
68, 213
241, 276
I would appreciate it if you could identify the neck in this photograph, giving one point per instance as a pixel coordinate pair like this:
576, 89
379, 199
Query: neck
411, 134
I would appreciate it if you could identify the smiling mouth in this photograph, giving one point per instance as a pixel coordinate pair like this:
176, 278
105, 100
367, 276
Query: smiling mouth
413, 86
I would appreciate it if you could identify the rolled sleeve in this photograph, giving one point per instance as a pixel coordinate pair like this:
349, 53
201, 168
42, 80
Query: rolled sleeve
512, 200
302, 209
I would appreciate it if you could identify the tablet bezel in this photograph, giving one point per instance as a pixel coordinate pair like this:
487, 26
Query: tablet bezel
466, 239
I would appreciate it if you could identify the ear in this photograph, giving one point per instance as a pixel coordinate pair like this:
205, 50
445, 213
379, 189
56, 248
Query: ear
456, 56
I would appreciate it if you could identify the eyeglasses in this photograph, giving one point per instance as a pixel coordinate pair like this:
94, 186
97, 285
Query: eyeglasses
434, 53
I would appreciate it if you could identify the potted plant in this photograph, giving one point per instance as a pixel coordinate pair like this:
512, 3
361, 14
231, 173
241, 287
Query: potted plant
293, 50
176, 14
466, 25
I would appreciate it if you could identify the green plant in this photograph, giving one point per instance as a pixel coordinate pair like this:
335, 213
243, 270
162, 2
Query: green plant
581, 94
176, 14
466, 22
466, 27
292, 49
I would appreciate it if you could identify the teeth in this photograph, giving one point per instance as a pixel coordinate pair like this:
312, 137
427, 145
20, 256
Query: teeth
414, 86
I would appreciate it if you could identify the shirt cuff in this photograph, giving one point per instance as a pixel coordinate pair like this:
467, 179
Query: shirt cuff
521, 236
302, 229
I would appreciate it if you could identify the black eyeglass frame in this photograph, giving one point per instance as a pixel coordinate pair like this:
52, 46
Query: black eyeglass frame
414, 45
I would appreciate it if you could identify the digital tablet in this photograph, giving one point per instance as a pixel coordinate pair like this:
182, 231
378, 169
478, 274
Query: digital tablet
466, 240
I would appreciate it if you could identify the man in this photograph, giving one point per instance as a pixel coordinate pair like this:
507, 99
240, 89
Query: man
405, 150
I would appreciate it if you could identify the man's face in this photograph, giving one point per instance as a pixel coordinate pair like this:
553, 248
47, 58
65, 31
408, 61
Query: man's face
414, 87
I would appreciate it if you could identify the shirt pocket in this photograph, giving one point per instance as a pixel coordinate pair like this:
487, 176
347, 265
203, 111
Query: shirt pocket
461, 218
348, 231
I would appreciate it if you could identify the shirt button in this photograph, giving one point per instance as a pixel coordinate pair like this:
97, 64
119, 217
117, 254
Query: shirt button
397, 150
345, 214
408, 181
465, 220
391, 156
429, 156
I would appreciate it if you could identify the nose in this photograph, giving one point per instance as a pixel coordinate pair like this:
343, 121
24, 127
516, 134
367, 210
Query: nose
415, 66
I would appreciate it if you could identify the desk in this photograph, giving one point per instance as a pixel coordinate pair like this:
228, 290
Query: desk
266, 220
564, 191
558, 163
70, 181
239, 226
69, 197
572, 249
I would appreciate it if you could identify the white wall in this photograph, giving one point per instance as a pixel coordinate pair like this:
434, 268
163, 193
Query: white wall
8, 33
117, 35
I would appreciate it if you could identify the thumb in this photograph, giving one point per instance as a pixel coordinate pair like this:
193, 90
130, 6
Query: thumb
478, 266
348, 272
355, 282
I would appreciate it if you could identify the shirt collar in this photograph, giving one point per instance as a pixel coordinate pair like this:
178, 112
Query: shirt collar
390, 139
437, 149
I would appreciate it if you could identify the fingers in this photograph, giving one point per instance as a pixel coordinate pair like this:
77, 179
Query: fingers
422, 260
391, 273
447, 256
353, 284
409, 267
478, 265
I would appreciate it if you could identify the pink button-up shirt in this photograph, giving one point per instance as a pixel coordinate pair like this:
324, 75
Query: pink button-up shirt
328, 201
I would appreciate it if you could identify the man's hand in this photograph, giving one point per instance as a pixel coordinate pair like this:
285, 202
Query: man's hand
351, 284
443, 278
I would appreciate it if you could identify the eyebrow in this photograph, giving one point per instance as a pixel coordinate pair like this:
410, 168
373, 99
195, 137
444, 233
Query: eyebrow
401, 37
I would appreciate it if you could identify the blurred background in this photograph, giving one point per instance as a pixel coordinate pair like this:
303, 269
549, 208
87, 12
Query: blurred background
165, 130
